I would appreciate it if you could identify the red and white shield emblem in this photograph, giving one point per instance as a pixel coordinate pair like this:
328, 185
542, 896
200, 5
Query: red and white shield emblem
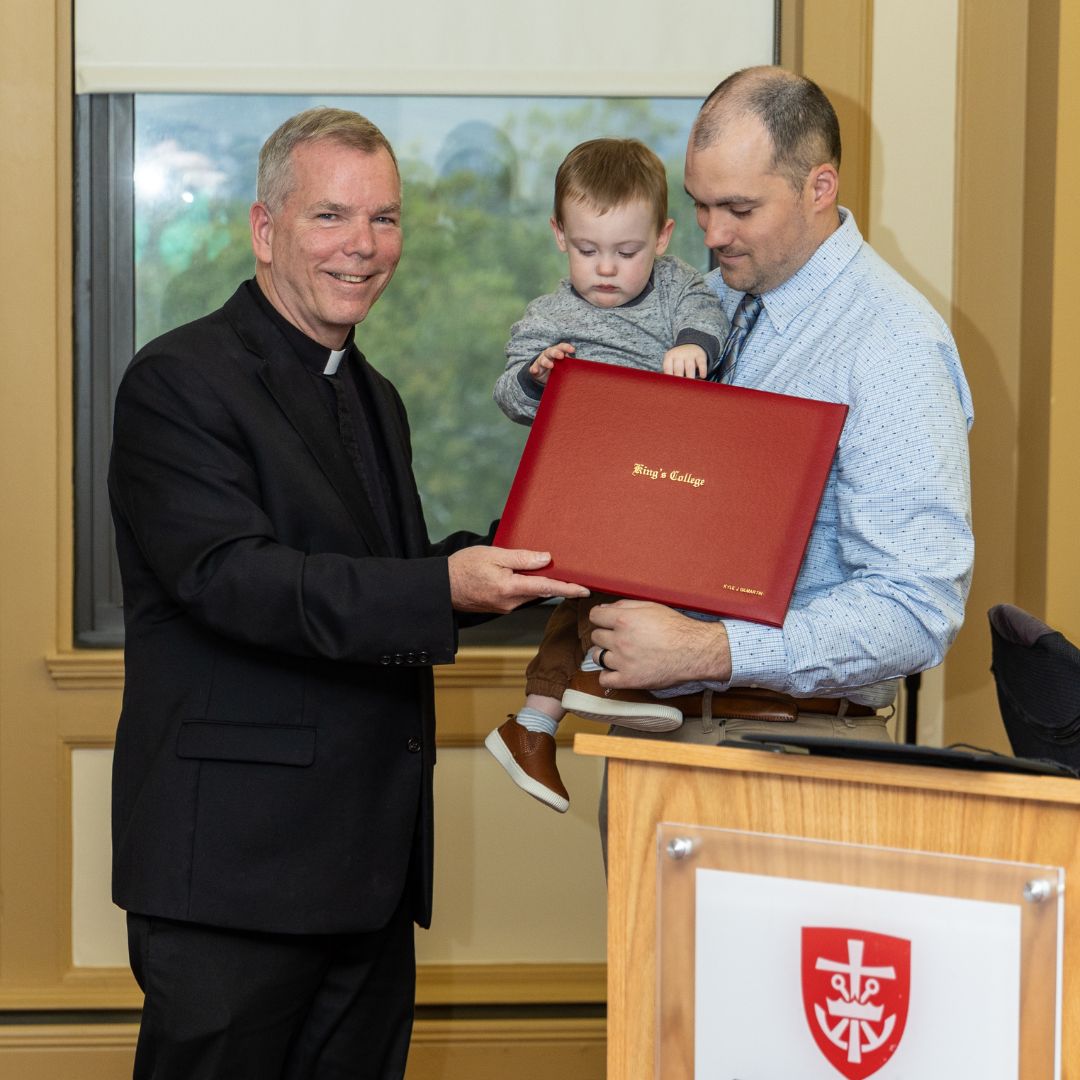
856, 986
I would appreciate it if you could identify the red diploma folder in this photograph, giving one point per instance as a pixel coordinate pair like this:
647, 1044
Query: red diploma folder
694, 494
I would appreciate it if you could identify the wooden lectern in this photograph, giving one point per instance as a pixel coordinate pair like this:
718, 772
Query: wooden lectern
953, 812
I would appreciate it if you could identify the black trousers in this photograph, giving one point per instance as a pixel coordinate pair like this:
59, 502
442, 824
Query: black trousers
236, 1005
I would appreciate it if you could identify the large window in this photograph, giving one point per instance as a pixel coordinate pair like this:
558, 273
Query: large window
165, 185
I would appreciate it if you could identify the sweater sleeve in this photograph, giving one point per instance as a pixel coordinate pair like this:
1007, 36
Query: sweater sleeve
516, 392
696, 315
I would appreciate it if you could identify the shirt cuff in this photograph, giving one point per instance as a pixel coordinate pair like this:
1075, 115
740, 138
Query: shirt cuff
690, 336
758, 654
529, 386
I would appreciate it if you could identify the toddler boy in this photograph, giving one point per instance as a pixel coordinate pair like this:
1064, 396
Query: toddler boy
625, 302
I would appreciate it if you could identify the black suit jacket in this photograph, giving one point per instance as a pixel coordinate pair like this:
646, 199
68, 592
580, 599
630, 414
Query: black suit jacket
274, 754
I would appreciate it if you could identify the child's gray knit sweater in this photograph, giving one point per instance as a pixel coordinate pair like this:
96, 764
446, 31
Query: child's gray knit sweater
676, 308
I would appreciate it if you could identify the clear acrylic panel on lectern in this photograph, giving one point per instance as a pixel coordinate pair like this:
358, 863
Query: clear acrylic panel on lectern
783, 958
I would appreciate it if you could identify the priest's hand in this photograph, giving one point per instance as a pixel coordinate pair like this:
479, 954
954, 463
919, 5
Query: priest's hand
485, 579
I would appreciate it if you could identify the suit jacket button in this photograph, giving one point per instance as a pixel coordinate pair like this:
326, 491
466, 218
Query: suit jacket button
384, 659
410, 658
414, 745
424, 656
398, 658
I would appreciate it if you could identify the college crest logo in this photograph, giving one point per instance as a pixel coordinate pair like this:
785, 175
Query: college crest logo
855, 988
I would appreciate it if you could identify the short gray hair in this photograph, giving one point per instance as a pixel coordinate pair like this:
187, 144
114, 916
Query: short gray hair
274, 180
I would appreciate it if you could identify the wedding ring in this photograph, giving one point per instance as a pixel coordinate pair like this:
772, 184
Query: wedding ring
600, 659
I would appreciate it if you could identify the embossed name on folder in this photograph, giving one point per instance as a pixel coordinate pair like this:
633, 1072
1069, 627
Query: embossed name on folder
690, 493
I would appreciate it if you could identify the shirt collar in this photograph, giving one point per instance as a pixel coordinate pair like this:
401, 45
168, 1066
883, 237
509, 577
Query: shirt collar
787, 301
312, 355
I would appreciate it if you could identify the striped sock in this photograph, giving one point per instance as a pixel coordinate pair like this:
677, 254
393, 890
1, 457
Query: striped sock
535, 720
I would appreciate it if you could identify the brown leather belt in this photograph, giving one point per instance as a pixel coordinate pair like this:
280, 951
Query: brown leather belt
743, 703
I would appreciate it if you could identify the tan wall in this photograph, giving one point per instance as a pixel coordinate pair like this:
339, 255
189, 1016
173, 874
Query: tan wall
1063, 575
913, 152
1027, 500
35, 315
1013, 310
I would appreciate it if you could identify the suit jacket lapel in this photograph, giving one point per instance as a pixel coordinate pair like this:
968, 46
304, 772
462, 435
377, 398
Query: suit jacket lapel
391, 424
292, 388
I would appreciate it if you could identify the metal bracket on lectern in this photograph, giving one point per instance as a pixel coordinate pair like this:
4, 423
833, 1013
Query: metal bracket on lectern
681, 847
1039, 889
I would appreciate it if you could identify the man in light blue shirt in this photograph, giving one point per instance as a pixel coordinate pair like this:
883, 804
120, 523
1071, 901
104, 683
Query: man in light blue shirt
882, 589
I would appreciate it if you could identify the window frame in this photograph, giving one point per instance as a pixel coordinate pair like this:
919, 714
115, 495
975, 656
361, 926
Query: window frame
104, 339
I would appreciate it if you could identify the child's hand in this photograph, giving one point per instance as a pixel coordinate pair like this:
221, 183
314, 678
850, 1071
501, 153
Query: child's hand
542, 365
689, 361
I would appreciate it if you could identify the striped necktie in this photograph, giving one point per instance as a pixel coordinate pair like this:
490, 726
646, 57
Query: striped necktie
745, 316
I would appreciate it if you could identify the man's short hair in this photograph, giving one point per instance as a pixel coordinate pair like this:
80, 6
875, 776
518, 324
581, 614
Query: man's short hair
605, 173
798, 117
274, 181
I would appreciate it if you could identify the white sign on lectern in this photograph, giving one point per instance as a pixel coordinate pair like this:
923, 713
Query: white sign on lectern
861, 981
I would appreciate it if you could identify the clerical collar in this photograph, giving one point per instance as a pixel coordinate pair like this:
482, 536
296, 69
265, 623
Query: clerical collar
315, 357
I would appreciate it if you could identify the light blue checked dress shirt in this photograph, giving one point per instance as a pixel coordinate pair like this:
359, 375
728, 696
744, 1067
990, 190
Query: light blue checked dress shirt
881, 592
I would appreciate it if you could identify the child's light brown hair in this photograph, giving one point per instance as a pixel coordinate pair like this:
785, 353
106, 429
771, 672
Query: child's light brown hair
604, 173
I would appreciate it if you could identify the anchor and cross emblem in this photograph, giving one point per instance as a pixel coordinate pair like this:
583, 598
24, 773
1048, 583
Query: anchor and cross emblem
855, 992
